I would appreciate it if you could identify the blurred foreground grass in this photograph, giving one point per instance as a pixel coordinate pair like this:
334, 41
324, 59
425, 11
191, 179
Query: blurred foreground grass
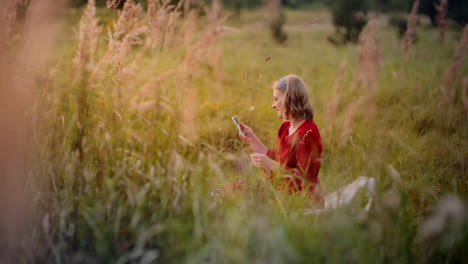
123, 178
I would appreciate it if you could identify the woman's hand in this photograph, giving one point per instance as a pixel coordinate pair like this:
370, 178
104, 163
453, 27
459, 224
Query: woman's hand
264, 162
252, 139
248, 132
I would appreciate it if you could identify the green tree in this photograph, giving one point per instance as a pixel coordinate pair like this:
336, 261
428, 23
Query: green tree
349, 18
457, 10
298, 3
387, 6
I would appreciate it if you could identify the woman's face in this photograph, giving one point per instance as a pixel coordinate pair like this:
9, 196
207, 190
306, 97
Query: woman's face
278, 99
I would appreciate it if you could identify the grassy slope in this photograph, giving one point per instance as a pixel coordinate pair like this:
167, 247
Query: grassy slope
145, 193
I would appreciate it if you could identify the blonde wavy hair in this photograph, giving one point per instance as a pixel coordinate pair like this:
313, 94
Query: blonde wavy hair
296, 102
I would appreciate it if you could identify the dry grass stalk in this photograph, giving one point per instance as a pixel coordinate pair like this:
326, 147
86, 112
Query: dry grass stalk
272, 6
216, 10
158, 17
332, 107
153, 18
124, 48
128, 19
202, 51
53, 75
451, 75
188, 29
198, 52
411, 27
113, 4
187, 6
196, 55
215, 62
150, 83
159, 29
441, 9
189, 111
126, 33
146, 106
351, 113
88, 37
12, 154
369, 63
465, 95
7, 20
169, 32
19, 72
38, 37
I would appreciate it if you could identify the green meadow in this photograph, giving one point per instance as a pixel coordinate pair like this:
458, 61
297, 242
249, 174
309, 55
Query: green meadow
135, 141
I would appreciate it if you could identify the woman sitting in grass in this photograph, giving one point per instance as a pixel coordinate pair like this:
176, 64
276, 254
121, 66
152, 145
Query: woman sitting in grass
299, 146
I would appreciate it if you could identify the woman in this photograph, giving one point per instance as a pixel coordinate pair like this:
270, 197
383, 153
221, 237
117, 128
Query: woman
299, 146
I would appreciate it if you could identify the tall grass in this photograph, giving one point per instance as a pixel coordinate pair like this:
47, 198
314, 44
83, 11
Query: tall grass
410, 27
442, 8
135, 137
24, 52
452, 72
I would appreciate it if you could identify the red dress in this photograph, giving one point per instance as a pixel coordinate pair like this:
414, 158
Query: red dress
301, 154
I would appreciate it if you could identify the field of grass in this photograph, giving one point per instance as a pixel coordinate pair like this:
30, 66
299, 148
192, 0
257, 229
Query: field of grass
133, 149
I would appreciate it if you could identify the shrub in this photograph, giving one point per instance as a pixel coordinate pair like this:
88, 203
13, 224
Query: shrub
276, 26
349, 18
400, 23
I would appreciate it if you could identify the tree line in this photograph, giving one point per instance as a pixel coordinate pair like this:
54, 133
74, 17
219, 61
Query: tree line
457, 9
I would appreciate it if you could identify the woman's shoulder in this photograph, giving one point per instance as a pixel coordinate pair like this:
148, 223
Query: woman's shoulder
285, 125
308, 124
308, 128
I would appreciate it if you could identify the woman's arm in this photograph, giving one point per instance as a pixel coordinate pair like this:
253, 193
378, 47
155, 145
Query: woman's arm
264, 162
261, 157
252, 139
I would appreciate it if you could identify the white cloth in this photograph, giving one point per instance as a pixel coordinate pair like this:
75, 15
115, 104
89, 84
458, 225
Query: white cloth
347, 194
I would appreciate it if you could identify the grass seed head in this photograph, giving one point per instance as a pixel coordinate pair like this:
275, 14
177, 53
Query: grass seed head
411, 27
369, 63
452, 72
441, 9
88, 37
332, 107
465, 95
7, 20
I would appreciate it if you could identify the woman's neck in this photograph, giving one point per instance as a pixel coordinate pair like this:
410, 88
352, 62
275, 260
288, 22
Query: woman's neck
295, 124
